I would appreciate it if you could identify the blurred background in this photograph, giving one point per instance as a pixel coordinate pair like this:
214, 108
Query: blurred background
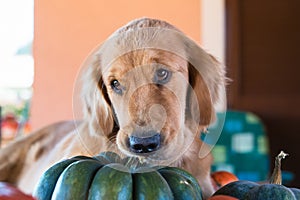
43, 43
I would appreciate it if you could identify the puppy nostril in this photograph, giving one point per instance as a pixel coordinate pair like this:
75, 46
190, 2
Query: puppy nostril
144, 145
138, 148
152, 146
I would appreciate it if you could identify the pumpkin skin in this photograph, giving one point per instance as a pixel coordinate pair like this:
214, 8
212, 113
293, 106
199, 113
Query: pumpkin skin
107, 176
236, 189
296, 192
248, 190
270, 191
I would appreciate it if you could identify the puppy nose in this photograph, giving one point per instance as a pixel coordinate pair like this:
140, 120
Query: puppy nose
144, 144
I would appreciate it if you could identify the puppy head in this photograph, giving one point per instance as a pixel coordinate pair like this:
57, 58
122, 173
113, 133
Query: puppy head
151, 88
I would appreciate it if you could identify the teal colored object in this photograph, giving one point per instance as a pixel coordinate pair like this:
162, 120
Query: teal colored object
242, 147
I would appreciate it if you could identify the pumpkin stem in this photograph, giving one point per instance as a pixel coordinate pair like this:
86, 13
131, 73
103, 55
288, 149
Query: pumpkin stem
276, 177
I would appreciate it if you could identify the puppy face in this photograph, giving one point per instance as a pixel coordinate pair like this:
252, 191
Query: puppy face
147, 90
151, 89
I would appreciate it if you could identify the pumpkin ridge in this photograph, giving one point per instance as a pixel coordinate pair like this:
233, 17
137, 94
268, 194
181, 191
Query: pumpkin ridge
118, 179
154, 182
47, 182
69, 183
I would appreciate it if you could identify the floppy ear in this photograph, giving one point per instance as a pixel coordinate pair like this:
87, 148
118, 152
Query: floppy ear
207, 79
204, 105
97, 106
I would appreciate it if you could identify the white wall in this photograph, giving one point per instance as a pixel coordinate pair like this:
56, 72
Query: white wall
213, 35
213, 27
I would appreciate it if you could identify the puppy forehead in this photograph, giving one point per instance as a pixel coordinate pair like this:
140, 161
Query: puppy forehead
144, 57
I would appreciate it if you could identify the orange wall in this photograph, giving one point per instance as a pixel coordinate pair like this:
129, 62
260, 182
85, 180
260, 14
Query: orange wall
67, 30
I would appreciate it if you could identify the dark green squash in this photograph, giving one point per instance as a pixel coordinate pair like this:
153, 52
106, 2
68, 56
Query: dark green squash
107, 176
247, 190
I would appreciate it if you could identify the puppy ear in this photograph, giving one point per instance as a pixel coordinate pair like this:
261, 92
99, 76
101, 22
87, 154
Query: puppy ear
207, 79
203, 102
97, 105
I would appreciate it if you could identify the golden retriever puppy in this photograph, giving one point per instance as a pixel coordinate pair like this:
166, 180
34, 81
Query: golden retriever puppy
148, 92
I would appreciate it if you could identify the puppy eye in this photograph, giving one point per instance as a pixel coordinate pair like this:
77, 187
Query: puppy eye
162, 76
116, 86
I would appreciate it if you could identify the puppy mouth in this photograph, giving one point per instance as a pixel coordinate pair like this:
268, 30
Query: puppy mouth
150, 158
160, 155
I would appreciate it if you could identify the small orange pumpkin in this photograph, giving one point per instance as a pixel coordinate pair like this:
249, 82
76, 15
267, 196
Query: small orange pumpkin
221, 178
11, 192
222, 197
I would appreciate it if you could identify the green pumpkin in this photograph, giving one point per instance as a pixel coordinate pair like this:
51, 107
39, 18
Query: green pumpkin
247, 190
107, 176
